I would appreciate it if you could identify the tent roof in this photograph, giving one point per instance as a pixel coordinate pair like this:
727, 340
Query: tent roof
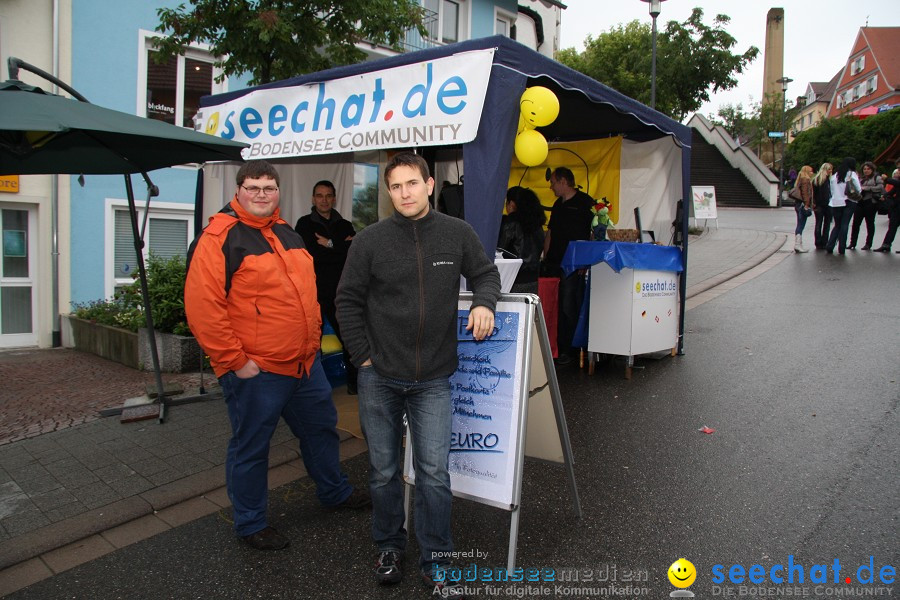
591, 110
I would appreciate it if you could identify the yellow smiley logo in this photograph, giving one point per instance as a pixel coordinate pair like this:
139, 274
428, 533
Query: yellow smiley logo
682, 573
213, 124
637, 287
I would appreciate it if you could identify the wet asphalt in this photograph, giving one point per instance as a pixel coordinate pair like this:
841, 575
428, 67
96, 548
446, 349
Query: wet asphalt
798, 372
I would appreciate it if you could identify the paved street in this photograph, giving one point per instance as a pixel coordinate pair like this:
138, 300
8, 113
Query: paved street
792, 359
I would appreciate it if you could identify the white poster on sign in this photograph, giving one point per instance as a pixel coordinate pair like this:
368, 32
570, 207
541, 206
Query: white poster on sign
486, 394
422, 104
703, 198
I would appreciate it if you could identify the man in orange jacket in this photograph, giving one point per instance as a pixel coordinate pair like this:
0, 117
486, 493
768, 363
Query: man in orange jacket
250, 299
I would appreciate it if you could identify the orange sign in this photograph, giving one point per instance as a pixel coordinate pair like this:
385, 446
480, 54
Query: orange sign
9, 184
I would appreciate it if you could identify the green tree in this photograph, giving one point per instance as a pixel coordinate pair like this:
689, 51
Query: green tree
735, 120
833, 139
277, 39
693, 60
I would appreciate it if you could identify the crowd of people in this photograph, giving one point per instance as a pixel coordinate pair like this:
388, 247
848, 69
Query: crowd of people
841, 201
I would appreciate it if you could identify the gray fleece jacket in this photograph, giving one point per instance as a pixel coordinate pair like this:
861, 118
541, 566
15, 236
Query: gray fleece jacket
398, 294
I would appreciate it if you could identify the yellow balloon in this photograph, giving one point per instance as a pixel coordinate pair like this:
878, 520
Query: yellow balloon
523, 125
539, 106
531, 148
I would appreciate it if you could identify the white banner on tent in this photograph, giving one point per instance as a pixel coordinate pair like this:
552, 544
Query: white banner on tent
423, 104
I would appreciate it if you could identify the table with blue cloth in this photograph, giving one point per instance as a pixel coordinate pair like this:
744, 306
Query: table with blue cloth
635, 297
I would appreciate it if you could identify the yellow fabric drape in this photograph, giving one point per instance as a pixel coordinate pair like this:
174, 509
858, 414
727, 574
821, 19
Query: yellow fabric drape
600, 178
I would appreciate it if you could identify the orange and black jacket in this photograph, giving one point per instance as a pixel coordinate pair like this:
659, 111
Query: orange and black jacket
251, 293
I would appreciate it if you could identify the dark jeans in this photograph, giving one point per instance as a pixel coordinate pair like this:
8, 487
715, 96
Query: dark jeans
382, 402
865, 210
893, 223
823, 224
254, 408
842, 216
571, 296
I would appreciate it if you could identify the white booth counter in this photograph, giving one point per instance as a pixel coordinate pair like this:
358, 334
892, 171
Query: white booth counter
632, 298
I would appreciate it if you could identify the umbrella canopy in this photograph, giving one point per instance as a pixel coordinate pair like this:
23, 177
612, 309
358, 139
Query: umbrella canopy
865, 112
43, 133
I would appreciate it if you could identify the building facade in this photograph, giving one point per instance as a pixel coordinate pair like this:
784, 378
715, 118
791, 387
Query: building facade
871, 76
67, 239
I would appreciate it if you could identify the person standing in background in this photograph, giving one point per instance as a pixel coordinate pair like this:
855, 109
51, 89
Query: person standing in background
327, 237
872, 188
522, 234
821, 195
842, 206
802, 207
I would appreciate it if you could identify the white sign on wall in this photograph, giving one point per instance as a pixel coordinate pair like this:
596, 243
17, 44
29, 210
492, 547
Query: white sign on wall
428, 103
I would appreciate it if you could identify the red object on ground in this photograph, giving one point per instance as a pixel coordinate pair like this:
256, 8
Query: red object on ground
548, 291
706, 430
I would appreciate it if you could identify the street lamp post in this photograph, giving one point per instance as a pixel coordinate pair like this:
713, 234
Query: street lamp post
784, 81
654, 12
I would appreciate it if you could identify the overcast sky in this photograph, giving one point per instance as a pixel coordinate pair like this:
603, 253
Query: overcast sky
818, 35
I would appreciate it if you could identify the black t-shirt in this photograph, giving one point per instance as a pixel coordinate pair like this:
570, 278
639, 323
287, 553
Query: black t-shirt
569, 220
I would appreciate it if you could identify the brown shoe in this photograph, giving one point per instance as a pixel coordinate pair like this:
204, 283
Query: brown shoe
266, 539
358, 498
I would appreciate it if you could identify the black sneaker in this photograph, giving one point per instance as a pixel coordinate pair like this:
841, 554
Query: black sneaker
441, 585
266, 539
387, 567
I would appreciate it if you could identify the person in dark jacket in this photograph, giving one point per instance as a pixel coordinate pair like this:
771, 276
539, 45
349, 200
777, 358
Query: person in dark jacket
522, 234
821, 196
872, 188
397, 303
327, 237
891, 195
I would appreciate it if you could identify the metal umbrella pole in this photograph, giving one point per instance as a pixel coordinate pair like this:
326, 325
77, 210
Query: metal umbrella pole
145, 295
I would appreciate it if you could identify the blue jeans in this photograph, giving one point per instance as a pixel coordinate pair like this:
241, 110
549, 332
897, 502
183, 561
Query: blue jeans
254, 407
842, 216
382, 401
799, 208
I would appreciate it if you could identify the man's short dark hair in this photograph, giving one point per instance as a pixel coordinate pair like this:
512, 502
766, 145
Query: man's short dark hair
256, 169
325, 183
566, 174
407, 159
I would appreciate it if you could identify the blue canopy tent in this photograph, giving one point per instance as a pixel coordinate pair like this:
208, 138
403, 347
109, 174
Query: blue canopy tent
589, 110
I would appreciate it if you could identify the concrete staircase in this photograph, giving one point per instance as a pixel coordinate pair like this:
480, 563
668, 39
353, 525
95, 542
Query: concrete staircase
709, 167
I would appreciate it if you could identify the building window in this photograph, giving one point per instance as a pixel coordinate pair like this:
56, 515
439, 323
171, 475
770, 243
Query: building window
171, 91
858, 65
451, 20
503, 22
872, 84
168, 233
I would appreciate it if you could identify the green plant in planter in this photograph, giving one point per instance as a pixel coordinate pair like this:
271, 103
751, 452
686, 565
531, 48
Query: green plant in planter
165, 287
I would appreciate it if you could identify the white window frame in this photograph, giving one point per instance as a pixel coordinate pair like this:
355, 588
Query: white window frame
505, 16
167, 210
199, 52
10, 340
465, 18
858, 65
872, 84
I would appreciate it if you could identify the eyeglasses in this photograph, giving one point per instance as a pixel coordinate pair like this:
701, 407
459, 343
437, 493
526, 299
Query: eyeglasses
255, 190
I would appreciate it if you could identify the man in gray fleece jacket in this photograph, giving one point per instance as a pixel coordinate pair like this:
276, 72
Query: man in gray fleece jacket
397, 308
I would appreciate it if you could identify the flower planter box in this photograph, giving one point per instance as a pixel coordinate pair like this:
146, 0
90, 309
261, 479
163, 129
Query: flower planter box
112, 343
177, 353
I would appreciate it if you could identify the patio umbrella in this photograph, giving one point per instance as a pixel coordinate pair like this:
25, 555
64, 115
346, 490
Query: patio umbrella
865, 112
44, 134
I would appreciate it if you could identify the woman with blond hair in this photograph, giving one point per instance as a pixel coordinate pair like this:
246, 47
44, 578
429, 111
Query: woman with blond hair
803, 199
821, 196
